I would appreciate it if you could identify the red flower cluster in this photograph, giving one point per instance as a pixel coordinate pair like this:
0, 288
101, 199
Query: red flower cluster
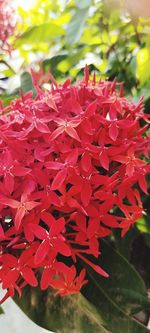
70, 171
7, 22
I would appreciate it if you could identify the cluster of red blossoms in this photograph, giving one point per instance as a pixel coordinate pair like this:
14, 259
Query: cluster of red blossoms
7, 22
72, 168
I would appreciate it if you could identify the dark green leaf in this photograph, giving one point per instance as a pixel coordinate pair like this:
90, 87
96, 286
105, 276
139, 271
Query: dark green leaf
146, 237
51, 64
124, 244
70, 314
1, 310
118, 321
124, 286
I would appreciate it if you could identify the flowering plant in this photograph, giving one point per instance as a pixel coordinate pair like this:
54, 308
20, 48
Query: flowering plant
7, 23
73, 162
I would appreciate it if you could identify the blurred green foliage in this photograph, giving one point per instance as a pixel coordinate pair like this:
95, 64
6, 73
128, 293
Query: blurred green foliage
63, 36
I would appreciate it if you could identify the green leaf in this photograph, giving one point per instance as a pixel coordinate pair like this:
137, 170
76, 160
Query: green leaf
1, 310
143, 224
50, 64
146, 237
83, 4
26, 82
120, 296
72, 60
143, 70
76, 25
8, 98
70, 314
117, 320
124, 286
124, 244
45, 32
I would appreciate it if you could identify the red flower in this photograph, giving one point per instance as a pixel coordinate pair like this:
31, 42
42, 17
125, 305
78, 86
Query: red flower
7, 22
10, 168
22, 207
66, 281
52, 240
69, 163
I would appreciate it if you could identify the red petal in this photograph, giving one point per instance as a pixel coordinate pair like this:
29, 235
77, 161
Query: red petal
31, 204
86, 162
86, 194
86, 74
50, 102
110, 221
103, 232
54, 165
113, 131
92, 227
130, 169
62, 247
46, 278
87, 127
59, 179
19, 216
41, 127
56, 133
72, 157
120, 159
72, 132
65, 270
48, 218
142, 183
8, 158
104, 160
20, 171
28, 253
54, 199
90, 110
38, 231
10, 278
73, 106
94, 246
9, 183
2, 235
41, 252
97, 268
8, 202
29, 276
28, 233
57, 227
10, 293
9, 260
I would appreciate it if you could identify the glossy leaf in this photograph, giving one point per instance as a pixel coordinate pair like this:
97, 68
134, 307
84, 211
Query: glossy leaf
117, 320
61, 314
121, 295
